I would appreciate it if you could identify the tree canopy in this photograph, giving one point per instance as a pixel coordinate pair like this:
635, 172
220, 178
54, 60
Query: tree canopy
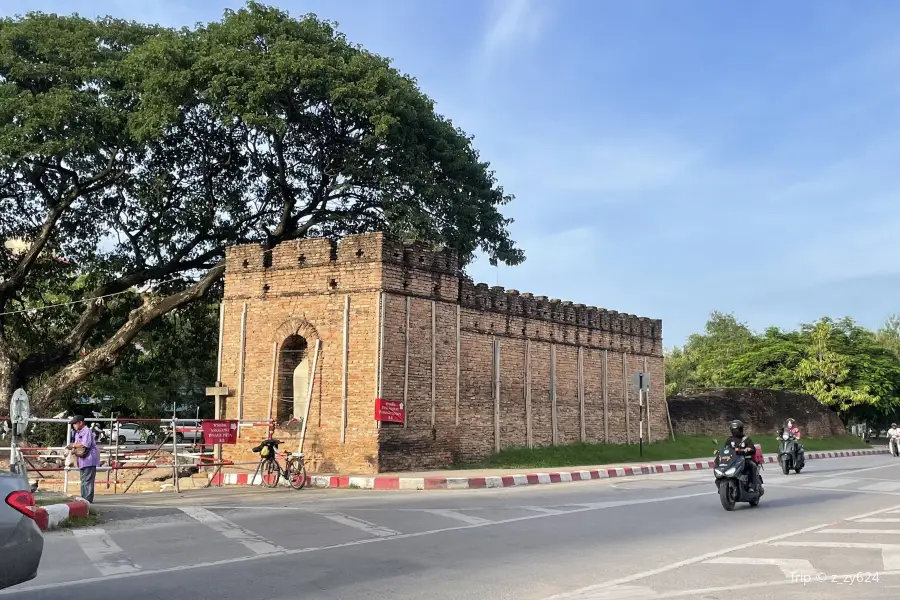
132, 155
847, 367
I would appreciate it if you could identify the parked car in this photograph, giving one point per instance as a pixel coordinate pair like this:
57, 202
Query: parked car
186, 431
130, 433
21, 541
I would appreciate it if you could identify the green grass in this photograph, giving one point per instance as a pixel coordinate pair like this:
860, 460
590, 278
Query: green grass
77, 522
607, 454
48, 500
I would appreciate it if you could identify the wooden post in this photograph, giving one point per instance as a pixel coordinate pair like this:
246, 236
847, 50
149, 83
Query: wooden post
553, 416
625, 395
219, 392
529, 432
433, 363
379, 351
345, 360
496, 369
240, 410
406, 367
272, 381
581, 393
309, 396
458, 366
605, 376
647, 405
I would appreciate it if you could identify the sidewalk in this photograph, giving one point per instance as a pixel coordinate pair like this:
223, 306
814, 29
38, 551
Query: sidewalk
466, 479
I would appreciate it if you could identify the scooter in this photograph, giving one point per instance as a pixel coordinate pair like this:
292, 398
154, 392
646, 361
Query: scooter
733, 479
790, 453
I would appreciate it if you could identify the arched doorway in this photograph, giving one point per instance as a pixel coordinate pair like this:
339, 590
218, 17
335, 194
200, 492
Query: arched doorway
293, 379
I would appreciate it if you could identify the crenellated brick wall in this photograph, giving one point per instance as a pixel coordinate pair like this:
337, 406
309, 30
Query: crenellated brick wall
708, 412
422, 333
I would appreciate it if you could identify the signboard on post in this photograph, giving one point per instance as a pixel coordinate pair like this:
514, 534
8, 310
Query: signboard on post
220, 431
390, 411
19, 411
640, 381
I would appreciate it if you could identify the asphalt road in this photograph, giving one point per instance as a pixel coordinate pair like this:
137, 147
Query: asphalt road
832, 532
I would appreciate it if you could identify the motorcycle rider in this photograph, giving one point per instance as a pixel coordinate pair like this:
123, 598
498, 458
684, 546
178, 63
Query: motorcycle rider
744, 445
894, 434
792, 428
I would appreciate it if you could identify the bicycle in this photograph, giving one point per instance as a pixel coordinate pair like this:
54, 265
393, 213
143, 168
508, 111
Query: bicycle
294, 471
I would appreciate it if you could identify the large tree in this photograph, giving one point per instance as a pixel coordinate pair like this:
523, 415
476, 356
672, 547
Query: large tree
131, 156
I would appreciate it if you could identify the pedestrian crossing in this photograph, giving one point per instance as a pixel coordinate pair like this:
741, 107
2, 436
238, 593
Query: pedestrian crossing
847, 483
176, 537
858, 551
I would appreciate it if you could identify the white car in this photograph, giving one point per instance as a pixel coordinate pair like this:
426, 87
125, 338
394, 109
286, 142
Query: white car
186, 431
130, 433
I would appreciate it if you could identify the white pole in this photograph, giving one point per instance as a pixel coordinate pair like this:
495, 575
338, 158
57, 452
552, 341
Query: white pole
309, 395
272, 381
240, 412
345, 365
221, 342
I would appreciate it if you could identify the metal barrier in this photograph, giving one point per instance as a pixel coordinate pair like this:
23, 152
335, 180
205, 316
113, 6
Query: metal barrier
193, 454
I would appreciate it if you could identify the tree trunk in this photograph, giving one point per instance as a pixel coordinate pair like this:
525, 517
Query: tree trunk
8, 376
105, 356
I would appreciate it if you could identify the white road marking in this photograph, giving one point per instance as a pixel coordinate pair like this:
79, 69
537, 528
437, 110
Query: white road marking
543, 510
104, 553
791, 567
705, 592
359, 524
872, 531
890, 553
879, 520
580, 593
832, 482
623, 592
883, 486
250, 540
403, 536
458, 516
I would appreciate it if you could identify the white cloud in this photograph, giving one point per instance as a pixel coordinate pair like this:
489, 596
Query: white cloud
511, 23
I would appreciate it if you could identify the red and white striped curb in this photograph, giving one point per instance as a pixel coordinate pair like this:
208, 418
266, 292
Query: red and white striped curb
501, 481
50, 516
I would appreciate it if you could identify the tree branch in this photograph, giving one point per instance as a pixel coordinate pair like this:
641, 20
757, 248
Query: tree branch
105, 356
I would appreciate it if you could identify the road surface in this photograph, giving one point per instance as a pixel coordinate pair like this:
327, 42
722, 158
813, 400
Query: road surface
832, 532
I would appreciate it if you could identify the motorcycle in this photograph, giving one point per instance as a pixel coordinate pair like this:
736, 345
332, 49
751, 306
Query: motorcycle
733, 479
790, 453
895, 446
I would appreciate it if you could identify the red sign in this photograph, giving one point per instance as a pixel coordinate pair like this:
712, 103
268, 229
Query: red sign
220, 432
388, 410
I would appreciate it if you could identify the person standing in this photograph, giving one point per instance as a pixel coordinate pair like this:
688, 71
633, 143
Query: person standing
88, 455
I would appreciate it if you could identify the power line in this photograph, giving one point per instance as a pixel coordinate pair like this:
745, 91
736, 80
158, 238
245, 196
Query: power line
49, 306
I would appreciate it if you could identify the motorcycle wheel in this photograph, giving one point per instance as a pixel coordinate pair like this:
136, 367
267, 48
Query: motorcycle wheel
727, 493
786, 466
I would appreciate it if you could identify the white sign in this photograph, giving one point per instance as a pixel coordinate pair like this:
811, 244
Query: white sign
640, 381
19, 411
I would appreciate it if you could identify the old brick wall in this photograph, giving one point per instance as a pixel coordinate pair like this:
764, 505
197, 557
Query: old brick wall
709, 412
421, 333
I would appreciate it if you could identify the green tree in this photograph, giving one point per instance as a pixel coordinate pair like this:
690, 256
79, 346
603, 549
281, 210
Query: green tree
825, 372
131, 156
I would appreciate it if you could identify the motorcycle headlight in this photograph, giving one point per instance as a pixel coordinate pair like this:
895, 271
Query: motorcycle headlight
784, 436
730, 471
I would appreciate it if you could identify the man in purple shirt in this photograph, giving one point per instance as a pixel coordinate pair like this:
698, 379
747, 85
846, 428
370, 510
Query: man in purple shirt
87, 464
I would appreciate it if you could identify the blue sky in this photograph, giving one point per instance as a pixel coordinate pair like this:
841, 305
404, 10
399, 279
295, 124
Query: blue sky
668, 158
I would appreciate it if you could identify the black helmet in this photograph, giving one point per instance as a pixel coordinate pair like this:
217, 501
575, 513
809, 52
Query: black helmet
737, 428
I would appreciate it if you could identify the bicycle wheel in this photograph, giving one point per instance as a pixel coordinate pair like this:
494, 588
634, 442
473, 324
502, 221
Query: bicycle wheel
271, 473
296, 473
